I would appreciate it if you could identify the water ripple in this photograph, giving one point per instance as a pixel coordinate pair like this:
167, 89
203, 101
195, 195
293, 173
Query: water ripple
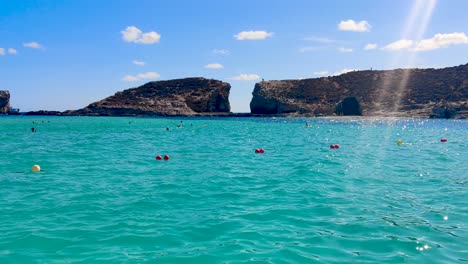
102, 197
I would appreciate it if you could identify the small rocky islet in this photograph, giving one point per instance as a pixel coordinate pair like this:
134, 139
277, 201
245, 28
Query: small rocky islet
425, 93
180, 97
4, 102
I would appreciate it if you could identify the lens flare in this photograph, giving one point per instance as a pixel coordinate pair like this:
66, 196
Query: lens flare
415, 27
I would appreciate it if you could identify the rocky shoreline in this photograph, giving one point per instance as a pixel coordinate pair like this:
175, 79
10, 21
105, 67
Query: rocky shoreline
421, 93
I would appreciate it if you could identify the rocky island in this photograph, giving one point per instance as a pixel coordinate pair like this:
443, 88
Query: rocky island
437, 93
180, 97
4, 102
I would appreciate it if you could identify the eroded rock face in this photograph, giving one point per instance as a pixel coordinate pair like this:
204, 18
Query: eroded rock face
4, 102
403, 92
181, 97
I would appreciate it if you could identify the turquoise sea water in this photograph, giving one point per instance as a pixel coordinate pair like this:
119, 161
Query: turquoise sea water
101, 196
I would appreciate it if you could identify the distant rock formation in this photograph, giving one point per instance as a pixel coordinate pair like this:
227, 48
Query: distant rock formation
437, 93
43, 113
180, 97
4, 102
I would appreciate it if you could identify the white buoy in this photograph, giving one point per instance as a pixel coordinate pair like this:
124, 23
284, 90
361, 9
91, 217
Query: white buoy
36, 168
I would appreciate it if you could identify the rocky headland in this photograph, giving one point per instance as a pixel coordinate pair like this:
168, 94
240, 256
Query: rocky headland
4, 102
436, 93
180, 97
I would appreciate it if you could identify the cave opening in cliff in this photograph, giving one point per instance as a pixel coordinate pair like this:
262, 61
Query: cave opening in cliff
349, 107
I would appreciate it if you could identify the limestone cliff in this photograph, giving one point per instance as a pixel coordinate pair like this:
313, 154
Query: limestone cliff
441, 93
180, 97
4, 102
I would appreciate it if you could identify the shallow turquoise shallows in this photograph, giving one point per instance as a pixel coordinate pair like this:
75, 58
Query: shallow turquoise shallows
102, 197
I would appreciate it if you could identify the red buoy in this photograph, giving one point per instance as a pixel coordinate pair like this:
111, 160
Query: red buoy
443, 140
158, 157
166, 157
260, 151
334, 146
337, 146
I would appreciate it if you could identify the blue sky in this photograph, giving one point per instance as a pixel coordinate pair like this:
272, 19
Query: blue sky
59, 55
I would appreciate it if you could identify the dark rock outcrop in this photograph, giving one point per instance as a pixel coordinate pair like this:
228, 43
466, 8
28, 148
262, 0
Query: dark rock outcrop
443, 112
4, 102
43, 113
180, 97
438, 93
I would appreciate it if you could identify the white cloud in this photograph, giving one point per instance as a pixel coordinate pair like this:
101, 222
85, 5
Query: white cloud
2, 51
343, 71
253, 35
351, 25
135, 35
149, 38
320, 39
402, 44
33, 45
12, 51
436, 42
214, 66
148, 75
141, 76
245, 77
137, 62
131, 34
442, 41
321, 73
221, 51
345, 50
130, 78
370, 46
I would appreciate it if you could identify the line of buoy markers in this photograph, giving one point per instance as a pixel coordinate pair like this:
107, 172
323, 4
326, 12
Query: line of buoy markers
37, 168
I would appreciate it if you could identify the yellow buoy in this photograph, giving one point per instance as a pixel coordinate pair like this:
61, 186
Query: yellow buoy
36, 168
399, 142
